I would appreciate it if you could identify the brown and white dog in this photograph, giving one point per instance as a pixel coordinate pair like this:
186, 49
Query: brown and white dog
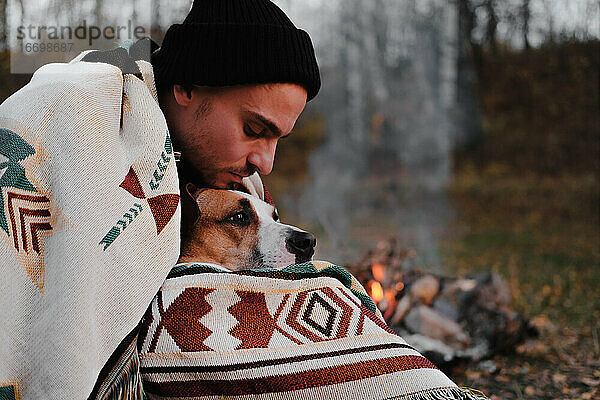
237, 231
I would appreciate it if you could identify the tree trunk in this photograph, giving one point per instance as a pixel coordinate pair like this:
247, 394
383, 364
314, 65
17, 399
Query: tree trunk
156, 32
525, 16
134, 15
492, 24
3, 29
469, 70
98, 12
469, 50
22, 6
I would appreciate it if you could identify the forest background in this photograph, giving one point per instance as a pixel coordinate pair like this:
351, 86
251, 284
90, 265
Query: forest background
467, 130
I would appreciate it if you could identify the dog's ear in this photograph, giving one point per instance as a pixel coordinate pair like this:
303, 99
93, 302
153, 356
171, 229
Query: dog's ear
190, 213
192, 191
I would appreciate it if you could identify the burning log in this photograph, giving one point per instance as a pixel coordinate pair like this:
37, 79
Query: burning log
445, 318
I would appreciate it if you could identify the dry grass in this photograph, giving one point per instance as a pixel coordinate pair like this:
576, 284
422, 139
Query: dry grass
542, 234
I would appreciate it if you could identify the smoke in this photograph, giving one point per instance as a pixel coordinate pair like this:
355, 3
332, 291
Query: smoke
389, 89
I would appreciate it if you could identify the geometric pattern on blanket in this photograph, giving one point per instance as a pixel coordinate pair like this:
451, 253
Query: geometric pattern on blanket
68, 140
297, 333
29, 216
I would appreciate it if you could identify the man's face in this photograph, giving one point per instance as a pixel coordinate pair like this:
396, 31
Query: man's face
225, 134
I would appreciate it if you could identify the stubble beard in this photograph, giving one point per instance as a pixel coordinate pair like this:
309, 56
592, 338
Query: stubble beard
203, 170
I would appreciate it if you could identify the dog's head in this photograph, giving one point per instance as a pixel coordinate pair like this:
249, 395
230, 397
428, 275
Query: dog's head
239, 231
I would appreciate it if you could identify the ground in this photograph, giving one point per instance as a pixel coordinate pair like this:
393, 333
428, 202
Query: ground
542, 235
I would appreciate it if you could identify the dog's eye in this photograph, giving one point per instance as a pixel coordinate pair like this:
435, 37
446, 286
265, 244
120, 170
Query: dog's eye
275, 215
239, 218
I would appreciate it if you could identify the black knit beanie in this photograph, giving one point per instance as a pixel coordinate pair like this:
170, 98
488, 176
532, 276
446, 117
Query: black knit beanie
236, 42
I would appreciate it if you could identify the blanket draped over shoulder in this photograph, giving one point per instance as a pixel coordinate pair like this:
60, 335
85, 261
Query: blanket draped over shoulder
89, 227
308, 331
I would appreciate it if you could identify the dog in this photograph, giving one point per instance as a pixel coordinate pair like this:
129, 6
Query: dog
237, 231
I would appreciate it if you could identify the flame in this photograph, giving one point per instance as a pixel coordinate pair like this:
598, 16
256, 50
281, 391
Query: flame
385, 299
390, 296
378, 271
390, 299
376, 291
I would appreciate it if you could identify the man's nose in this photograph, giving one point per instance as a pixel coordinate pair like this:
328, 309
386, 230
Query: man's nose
262, 157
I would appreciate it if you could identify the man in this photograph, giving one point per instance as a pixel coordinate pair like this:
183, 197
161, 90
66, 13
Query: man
232, 80
89, 200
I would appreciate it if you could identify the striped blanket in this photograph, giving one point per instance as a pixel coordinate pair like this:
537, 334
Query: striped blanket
307, 331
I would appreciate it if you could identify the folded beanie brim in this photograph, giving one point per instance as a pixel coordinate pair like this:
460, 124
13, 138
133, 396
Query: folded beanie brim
226, 54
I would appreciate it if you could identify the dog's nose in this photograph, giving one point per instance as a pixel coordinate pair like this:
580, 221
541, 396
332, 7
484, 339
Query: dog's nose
302, 244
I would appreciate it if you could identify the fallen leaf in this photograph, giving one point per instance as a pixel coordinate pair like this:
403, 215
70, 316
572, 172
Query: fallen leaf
472, 375
546, 290
565, 357
533, 347
559, 378
543, 324
529, 390
590, 382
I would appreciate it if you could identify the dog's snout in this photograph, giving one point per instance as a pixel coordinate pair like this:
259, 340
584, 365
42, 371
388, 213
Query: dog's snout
302, 241
302, 244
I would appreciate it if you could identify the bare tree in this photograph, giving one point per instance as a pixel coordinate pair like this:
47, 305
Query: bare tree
550, 23
3, 29
98, 12
469, 50
592, 11
134, 15
156, 31
22, 6
525, 17
492, 24
469, 68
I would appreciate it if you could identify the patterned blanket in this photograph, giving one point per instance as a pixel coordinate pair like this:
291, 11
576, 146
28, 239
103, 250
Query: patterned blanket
89, 227
307, 331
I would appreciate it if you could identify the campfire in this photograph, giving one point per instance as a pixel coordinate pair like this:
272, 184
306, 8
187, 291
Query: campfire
446, 318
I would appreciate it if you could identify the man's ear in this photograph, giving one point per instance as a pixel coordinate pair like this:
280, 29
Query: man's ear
182, 94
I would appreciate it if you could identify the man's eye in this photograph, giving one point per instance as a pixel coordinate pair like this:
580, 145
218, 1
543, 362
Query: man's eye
252, 133
238, 218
